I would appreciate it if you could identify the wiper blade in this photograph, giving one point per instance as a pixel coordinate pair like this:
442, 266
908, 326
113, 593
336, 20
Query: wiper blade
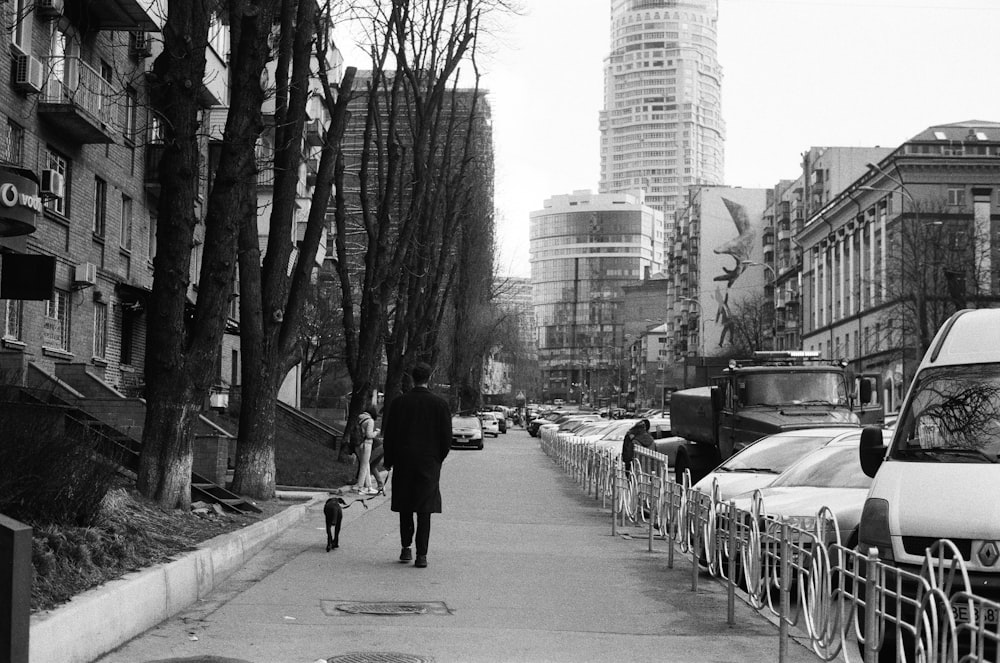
766, 470
949, 451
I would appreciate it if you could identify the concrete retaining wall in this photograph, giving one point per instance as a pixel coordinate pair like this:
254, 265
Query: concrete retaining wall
108, 616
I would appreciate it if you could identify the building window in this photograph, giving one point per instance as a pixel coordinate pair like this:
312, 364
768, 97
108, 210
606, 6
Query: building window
956, 195
126, 237
131, 113
100, 206
57, 162
128, 338
15, 143
20, 31
152, 237
56, 332
100, 330
13, 326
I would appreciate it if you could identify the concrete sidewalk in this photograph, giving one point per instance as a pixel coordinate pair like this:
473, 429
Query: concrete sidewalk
522, 567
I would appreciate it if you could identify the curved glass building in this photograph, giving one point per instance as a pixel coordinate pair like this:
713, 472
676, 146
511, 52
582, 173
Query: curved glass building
585, 248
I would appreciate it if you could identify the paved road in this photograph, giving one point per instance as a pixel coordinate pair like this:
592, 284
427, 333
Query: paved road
522, 567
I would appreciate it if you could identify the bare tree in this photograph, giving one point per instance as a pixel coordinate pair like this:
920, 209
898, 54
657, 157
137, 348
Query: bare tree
181, 345
398, 220
750, 324
275, 291
933, 267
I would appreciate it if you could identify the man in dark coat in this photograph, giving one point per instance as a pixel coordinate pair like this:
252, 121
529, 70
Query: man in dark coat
416, 437
638, 434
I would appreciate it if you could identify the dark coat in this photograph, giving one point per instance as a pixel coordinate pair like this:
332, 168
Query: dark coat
416, 436
636, 435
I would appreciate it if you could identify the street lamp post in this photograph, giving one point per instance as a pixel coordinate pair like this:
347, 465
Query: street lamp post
774, 299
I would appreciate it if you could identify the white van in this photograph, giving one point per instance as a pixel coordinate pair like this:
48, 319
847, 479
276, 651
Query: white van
939, 476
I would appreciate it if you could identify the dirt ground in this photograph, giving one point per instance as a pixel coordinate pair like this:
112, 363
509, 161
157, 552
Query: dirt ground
133, 534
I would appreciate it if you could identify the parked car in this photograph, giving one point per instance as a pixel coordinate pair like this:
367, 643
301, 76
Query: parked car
491, 426
759, 464
466, 431
831, 477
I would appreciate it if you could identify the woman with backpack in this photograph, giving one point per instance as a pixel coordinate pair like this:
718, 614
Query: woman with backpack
369, 454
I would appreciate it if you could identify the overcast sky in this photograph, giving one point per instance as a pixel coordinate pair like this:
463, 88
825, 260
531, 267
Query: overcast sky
796, 74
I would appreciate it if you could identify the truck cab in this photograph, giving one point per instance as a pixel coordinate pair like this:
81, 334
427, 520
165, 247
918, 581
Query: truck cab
769, 393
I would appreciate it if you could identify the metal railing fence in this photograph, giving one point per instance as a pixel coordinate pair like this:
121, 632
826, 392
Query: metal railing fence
847, 603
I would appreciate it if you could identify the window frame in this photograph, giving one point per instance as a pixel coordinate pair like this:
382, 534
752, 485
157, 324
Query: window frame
127, 221
13, 320
100, 347
99, 222
57, 309
57, 161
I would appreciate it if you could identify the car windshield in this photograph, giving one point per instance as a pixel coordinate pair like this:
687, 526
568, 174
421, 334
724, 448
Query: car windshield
618, 430
953, 416
792, 387
465, 422
829, 467
774, 453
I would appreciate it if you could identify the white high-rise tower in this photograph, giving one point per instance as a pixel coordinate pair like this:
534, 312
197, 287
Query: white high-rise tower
662, 127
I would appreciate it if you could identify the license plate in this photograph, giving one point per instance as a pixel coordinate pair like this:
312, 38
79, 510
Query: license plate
961, 612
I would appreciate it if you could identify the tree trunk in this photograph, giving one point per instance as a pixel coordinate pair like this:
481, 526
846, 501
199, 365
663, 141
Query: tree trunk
255, 470
165, 477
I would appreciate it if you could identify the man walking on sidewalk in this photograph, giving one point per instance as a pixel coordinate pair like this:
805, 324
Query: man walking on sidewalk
416, 438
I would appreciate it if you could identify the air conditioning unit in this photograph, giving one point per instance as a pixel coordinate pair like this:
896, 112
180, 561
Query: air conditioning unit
53, 184
28, 73
85, 274
49, 7
139, 44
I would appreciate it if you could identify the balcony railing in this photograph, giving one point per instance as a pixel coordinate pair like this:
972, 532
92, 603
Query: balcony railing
80, 97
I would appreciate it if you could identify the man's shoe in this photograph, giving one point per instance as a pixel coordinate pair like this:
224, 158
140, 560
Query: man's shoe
405, 555
421, 562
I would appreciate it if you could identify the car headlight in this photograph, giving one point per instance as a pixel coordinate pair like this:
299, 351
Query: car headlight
807, 523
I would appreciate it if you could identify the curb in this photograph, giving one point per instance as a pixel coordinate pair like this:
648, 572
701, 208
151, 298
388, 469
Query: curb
106, 617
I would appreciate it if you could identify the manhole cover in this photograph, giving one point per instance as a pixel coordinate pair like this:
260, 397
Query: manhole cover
383, 608
386, 608
378, 657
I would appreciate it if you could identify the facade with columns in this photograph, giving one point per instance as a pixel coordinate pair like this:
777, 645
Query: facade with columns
898, 250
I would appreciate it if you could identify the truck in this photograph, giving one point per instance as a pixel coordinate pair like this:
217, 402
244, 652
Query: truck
771, 392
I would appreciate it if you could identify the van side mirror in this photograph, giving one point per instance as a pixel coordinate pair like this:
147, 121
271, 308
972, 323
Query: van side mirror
871, 451
865, 391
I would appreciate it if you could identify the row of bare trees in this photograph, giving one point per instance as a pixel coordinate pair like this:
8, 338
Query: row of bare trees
405, 170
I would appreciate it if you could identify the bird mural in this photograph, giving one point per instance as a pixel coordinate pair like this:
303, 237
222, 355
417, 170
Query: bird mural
740, 246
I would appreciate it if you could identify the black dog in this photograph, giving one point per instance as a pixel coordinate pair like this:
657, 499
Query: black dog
334, 512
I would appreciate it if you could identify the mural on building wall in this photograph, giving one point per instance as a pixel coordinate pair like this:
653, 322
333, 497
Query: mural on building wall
730, 222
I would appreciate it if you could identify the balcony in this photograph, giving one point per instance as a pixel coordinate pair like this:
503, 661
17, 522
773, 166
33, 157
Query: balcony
314, 133
111, 15
77, 101
151, 179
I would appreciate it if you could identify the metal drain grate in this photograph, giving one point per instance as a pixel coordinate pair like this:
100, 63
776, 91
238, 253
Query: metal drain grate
378, 657
385, 608
382, 608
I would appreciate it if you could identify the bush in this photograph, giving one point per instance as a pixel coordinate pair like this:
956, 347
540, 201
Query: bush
48, 476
